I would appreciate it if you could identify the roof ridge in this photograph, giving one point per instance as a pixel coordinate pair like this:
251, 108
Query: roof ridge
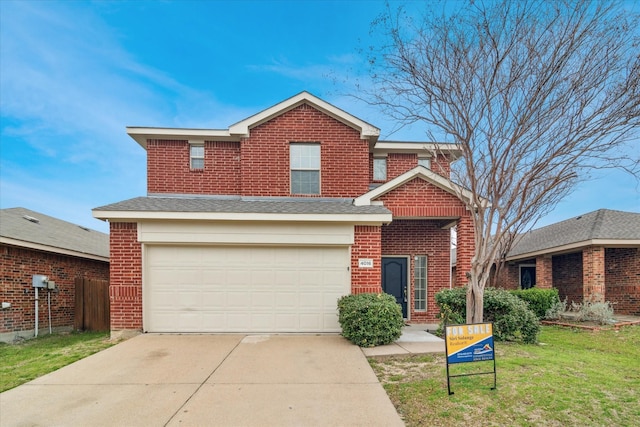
597, 223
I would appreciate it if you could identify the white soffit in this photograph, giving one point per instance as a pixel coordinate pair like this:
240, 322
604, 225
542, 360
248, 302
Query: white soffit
421, 148
142, 134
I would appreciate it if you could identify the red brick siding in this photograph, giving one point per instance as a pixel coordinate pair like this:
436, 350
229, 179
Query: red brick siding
418, 198
544, 272
265, 155
399, 163
441, 165
18, 265
622, 275
366, 245
593, 273
125, 288
509, 277
168, 168
421, 237
567, 276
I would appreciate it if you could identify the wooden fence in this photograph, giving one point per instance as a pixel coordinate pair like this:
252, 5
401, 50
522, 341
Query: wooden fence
92, 305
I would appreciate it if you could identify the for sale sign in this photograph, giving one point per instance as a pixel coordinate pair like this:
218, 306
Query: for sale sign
469, 343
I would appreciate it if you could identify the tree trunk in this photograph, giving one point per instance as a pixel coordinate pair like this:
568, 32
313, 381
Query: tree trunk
475, 301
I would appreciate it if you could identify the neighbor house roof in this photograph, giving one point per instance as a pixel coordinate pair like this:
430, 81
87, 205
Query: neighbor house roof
242, 128
243, 208
25, 228
603, 227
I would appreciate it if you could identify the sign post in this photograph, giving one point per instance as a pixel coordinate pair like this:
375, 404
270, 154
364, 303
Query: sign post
469, 343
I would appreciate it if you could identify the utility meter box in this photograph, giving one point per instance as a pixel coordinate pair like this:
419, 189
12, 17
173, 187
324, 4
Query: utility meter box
51, 284
40, 281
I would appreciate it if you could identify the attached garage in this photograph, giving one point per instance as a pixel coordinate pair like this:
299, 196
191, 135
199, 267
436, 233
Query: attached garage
244, 288
215, 264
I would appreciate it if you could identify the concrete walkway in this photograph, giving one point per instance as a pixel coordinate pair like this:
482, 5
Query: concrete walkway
414, 340
202, 380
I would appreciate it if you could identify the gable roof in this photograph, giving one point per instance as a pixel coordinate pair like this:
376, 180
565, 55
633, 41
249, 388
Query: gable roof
239, 208
242, 128
25, 228
417, 172
602, 227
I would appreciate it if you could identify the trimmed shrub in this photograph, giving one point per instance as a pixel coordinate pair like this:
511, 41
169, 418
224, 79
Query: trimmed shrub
512, 319
539, 300
368, 320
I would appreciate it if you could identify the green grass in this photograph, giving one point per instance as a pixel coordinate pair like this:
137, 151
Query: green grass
20, 363
572, 378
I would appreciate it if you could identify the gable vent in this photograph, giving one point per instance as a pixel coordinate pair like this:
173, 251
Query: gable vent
31, 219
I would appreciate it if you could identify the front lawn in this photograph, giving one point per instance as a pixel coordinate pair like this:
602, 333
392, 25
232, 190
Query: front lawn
572, 378
20, 363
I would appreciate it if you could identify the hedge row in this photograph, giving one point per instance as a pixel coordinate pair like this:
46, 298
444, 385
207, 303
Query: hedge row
512, 319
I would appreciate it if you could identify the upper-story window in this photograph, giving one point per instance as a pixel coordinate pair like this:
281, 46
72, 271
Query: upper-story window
305, 168
424, 161
196, 157
380, 169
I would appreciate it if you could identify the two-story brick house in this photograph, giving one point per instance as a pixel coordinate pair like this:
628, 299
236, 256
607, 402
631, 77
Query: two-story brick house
261, 227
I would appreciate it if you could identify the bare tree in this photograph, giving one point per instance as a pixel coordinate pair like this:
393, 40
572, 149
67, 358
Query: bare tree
536, 93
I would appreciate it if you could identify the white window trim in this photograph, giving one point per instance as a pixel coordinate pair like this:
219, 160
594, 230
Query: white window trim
386, 164
319, 169
192, 157
426, 284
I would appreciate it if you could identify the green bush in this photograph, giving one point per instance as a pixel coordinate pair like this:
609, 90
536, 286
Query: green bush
368, 320
539, 300
512, 319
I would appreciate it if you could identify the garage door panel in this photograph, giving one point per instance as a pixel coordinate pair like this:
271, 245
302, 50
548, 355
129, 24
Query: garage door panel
244, 289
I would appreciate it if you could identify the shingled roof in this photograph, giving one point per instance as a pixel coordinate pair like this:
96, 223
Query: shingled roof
238, 204
604, 226
26, 228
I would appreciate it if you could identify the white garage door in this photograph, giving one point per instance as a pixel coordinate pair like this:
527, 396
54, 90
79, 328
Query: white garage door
244, 289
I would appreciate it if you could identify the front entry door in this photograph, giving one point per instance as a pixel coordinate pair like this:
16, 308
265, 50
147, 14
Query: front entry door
394, 280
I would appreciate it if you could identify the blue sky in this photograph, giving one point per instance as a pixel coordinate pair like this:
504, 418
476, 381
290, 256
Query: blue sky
74, 74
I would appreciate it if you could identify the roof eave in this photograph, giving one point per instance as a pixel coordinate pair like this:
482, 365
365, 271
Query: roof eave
572, 247
142, 134
364, 219
384, 147
52, 249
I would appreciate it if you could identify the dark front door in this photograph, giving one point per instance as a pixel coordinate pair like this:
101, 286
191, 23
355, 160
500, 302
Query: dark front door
394, 280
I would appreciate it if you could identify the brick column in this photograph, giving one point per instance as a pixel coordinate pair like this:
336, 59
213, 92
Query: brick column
593, 274
125, 284
544, 272
464, 249
368, 245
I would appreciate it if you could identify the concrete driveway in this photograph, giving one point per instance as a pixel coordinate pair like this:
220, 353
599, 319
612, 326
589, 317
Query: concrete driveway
208, 380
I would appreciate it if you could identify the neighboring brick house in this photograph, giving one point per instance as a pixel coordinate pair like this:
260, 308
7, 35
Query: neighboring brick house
31, 244
261, 227
595, 256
